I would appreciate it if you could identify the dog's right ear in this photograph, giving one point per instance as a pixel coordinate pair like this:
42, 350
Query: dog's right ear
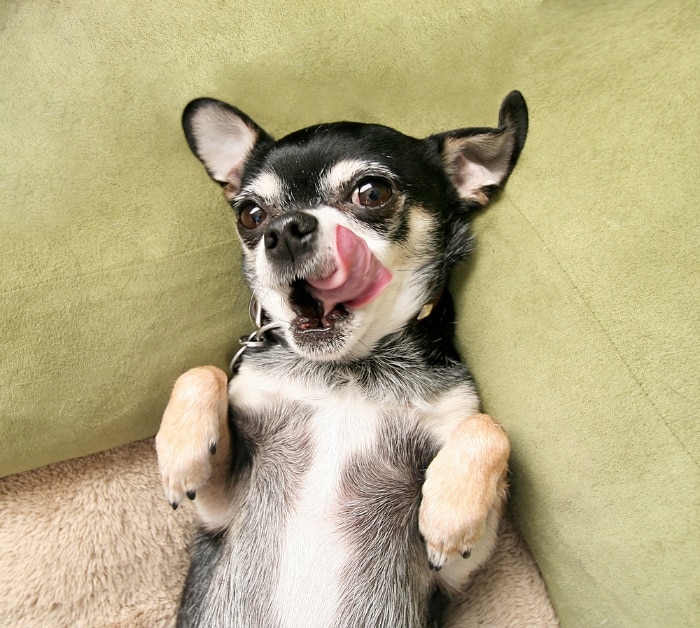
480, 160
222, 138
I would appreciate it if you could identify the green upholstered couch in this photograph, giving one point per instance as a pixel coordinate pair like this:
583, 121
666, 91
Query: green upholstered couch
578, 312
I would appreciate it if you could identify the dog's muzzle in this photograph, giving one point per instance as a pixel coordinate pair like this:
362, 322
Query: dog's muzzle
330, 272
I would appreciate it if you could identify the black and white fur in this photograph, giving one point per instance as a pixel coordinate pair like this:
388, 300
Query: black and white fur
344, 484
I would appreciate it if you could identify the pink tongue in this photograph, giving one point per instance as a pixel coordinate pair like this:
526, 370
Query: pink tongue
358, 278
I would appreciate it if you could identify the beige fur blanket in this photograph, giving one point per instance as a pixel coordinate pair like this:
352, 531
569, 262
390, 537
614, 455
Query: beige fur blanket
92, 542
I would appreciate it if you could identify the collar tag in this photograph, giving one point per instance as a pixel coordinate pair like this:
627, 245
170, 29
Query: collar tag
428, 308
425, 311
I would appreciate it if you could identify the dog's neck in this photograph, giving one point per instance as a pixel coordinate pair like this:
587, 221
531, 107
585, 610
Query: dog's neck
420, 359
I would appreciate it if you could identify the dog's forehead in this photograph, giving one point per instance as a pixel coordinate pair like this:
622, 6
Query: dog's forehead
321, 161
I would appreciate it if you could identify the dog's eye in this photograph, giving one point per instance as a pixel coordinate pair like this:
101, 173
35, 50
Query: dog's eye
251, 216
371, 192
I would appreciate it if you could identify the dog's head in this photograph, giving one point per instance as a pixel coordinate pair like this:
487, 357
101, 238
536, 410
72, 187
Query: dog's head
349, 230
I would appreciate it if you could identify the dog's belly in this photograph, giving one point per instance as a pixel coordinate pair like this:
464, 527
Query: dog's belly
328, 532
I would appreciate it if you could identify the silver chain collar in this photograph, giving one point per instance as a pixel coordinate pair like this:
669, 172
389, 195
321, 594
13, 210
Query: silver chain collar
256, 340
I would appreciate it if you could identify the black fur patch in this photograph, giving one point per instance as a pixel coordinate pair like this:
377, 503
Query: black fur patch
207, 550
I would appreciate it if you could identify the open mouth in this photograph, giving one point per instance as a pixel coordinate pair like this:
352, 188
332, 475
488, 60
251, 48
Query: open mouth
311, 313
321, 303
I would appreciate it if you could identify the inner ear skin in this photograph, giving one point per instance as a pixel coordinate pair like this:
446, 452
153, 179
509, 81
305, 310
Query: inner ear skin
480, 160
222, 138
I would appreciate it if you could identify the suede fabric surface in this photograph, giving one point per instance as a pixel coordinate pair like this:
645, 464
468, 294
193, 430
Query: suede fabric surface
578, 311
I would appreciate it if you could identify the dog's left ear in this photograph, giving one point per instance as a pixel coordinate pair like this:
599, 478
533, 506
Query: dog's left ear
479, 161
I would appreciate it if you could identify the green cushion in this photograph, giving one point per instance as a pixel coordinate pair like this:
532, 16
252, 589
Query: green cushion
578, 313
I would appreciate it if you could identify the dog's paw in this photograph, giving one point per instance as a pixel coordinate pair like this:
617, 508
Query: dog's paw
185, 463
462, 485
451, 517
190, 431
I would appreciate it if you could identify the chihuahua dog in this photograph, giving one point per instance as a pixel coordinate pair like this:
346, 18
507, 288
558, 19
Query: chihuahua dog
344, 476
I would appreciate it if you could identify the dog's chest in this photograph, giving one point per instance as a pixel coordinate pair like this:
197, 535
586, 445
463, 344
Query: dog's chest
315, 548
338, 478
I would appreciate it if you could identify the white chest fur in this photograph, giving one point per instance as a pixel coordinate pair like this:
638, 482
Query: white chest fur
313, 550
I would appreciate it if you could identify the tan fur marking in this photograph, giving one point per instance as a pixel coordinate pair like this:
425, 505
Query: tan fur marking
194, 421
465, 481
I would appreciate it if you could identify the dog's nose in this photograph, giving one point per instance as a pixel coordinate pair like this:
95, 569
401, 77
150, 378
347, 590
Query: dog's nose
290, 236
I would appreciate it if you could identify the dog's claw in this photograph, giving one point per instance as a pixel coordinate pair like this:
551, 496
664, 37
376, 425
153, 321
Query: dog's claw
191, 494
466, 553
174, 505
436, 560
212, 448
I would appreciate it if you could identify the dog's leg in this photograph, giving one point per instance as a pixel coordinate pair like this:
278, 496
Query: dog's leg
464, 483
193, 443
